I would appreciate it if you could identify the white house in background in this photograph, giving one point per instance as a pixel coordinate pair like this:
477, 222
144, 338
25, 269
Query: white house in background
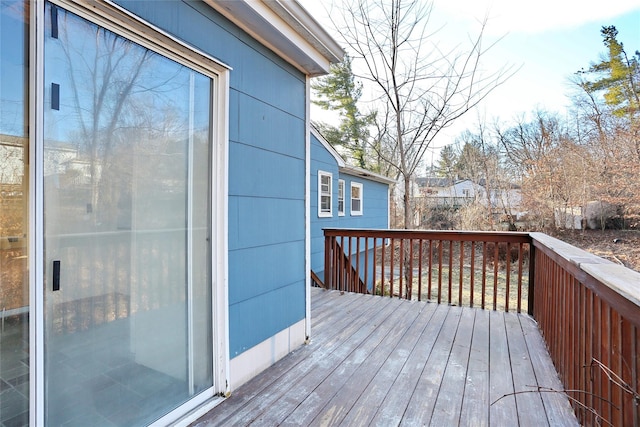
506, 200
444, 192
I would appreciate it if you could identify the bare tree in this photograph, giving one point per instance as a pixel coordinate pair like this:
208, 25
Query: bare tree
421, 86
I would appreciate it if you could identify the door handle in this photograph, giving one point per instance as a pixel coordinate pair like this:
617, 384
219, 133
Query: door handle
56, 275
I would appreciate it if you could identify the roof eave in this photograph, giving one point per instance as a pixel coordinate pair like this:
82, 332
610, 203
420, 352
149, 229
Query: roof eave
286, 28
363, 173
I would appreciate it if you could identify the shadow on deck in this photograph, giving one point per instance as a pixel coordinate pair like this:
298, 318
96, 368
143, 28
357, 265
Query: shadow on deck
387, 361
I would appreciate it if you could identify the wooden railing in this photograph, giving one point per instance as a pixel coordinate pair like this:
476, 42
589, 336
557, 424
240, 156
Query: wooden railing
489, 270
587, 308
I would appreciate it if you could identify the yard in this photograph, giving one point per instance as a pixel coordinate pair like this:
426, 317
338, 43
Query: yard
619, 246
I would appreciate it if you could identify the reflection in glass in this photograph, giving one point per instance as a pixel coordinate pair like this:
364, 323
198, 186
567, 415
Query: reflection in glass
14, 194
126, 165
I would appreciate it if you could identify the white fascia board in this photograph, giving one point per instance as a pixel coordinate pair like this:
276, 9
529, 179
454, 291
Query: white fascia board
363, 173
286, 28
299, 19
350, 170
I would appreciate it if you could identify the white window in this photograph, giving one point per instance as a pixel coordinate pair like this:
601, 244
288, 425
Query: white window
324, 194
341, 197
356, 198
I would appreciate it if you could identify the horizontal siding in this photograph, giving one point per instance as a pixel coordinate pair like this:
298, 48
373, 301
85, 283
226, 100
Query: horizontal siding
256, 172
257, 123
320, 156
375, 203
267, 98
255, 320
257, 222
256, 70
266, 273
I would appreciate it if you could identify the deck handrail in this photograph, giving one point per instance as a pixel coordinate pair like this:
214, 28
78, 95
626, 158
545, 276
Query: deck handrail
394, 262
587, 308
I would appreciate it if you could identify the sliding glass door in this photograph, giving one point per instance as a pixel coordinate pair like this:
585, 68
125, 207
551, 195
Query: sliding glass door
126, 166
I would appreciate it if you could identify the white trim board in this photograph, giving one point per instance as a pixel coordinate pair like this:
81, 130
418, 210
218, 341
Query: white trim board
259, 357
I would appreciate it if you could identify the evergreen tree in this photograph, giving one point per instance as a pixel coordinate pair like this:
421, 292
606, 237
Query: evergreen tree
338, 91
617, 76
447, 163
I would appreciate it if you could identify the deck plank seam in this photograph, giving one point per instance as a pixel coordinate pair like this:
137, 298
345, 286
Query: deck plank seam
466, 371
299, 377
397, 341
425, 309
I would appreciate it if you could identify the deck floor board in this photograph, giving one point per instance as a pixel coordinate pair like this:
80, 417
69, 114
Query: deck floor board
383, 361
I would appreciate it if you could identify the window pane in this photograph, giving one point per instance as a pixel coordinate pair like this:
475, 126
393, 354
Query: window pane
14, 220
326, 204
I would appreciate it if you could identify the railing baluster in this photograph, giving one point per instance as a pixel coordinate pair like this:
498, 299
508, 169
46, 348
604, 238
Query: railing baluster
496, 262
410, 280
507, 270
342, 269
484, 273
430, 268
616, 365
401, 261
450, 277
472, 271
420, 270
439, 271
356, 279
520, 266
460, 274
606, 357
382, 264
375, 266
366, 264
391, 272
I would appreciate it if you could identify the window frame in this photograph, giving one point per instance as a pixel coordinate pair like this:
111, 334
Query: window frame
341, 186
357, 212
323, 213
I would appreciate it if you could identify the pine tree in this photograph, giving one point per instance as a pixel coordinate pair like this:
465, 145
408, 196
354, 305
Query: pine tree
618, 76
339, 91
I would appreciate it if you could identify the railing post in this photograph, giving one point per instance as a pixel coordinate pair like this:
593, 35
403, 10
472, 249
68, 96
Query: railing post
532, 277
327, 263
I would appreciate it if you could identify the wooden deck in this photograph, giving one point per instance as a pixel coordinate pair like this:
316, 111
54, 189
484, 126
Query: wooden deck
383, 361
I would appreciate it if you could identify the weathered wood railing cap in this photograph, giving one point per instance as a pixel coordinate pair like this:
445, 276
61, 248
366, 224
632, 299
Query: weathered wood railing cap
618, 278
456, 235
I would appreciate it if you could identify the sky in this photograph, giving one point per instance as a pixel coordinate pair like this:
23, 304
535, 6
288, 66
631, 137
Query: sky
546, 40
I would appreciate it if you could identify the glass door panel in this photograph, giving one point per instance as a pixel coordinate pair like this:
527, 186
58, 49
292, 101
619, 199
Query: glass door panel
14, 213
127, 234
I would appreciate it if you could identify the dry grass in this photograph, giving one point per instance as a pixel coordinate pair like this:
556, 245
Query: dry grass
455, 290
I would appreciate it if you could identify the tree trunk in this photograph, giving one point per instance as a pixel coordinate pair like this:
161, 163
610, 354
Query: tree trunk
408, 212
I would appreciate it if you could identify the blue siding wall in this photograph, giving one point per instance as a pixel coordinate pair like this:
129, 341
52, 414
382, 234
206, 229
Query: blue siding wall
266, 170
375, 203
